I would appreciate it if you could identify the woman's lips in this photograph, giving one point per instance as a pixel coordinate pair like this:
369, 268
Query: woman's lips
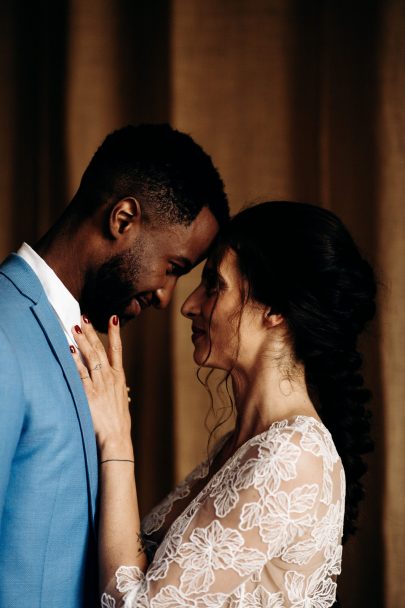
197, 333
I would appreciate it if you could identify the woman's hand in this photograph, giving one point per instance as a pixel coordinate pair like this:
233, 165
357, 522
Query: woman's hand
103, 380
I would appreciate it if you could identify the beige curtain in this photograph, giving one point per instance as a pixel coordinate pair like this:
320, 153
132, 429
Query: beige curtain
294, 88
390, 243
299, 100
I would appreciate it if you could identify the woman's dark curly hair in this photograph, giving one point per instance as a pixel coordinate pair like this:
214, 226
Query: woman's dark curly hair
301, 261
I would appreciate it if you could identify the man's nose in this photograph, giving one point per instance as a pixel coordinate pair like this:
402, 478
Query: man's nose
164, 295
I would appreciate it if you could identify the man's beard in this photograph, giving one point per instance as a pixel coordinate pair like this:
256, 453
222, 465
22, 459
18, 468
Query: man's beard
108, 290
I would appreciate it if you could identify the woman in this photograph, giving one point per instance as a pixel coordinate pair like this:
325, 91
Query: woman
280, 306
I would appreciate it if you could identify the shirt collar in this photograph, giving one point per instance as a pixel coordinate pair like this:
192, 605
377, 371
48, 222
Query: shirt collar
64, 304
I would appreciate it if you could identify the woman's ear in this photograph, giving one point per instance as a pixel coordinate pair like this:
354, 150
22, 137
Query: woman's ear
272, 319
125, 218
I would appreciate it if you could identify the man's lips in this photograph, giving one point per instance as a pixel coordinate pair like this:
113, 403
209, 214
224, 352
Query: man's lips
136, 305
144, 301
133, 309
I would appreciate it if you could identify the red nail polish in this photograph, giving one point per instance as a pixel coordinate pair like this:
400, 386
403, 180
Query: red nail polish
115, 320
78, 330
85, 319
72, 348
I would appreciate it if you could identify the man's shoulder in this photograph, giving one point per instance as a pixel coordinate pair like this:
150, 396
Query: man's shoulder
19, 285
18, 279
12, 301
15, 311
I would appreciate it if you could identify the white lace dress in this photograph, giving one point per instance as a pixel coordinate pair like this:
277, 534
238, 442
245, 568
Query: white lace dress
265, 531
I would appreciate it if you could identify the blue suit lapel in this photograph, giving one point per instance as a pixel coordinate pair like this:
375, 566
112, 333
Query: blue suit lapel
57, 342
20, 273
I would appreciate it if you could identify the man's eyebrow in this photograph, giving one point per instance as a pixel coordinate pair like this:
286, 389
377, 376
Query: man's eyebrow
185, 262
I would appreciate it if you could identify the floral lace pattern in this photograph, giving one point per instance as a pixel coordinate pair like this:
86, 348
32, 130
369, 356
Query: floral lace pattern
264, 532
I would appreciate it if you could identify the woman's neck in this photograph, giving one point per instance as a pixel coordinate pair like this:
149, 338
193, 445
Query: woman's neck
271, 392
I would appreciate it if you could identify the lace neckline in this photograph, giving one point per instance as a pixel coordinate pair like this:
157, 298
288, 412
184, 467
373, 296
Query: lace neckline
276, 424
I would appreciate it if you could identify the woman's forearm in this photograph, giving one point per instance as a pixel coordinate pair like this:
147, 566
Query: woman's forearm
104, 383
120, 541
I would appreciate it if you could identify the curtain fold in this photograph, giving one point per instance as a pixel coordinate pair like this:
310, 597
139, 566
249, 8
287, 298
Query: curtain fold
390, 244
118, 73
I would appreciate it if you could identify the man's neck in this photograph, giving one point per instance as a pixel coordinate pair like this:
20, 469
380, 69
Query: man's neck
65, 253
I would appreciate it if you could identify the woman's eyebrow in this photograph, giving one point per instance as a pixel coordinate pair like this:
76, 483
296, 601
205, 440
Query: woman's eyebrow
210, 272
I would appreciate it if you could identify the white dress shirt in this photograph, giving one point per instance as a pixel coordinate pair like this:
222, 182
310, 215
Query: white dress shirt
66, 307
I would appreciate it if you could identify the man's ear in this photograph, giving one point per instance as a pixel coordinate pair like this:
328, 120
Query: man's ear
125, 218
271, 319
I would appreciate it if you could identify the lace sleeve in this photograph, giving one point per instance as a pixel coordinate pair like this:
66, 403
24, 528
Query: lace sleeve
264, 532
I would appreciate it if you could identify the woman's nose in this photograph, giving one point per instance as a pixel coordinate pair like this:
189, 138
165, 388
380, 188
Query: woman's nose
190, 307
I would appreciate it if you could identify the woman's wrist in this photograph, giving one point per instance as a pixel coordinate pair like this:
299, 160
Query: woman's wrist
116, 449
118, 460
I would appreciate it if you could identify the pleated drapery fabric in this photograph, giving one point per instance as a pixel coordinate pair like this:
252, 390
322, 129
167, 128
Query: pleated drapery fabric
390, 244
293, 100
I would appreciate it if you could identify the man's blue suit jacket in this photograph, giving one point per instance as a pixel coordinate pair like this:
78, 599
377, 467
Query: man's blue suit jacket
48, 456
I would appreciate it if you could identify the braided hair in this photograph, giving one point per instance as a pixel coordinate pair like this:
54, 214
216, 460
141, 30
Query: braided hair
300, 260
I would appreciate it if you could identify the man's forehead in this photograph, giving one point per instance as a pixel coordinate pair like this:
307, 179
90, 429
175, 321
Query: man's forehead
202, 233
192, 242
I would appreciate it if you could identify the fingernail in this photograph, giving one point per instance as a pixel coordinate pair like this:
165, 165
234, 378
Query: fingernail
72, 348
85, 319
77, 329
115, 320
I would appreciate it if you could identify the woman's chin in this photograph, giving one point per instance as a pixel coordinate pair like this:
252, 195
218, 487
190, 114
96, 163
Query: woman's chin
206, 360
199, 358
202, 358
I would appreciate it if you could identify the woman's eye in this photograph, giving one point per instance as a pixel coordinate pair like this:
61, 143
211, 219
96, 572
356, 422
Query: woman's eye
211, 287
211, 281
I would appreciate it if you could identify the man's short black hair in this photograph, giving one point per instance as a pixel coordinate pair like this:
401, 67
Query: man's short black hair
171, 176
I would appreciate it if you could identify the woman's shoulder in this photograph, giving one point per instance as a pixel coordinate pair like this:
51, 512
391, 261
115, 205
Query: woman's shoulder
291, 453
297, 434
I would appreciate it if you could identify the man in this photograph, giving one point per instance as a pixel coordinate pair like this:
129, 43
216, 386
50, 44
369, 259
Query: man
147, 209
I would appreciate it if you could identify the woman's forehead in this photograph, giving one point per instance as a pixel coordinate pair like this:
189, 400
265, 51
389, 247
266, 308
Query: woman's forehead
225, 264
222, 258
